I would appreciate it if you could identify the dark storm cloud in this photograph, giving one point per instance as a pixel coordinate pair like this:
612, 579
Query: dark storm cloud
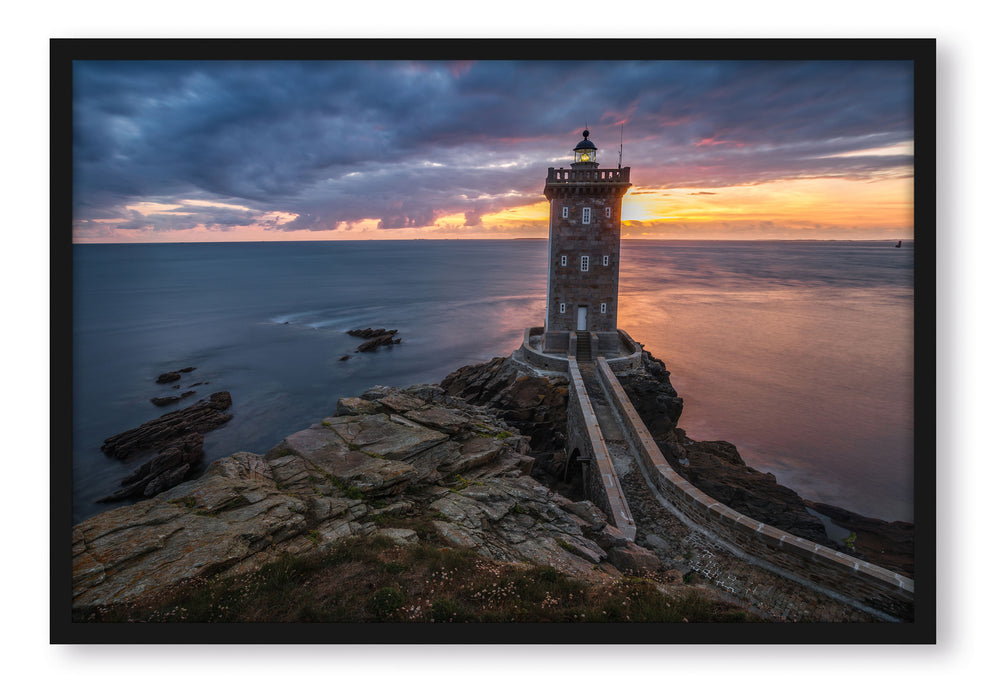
408, 142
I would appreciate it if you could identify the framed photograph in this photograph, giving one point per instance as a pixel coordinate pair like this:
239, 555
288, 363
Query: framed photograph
472, 341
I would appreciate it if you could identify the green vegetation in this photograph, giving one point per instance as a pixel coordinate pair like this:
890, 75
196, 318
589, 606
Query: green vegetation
460, 483
348, 491
370, 579
483, 430
187, 501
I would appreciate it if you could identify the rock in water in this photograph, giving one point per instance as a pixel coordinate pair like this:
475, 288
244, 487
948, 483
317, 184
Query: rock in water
379, 340
162, 472
413, 460
203, 416
369, 332
377, 337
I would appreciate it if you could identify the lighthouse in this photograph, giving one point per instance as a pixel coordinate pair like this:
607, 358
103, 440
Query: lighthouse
583, 266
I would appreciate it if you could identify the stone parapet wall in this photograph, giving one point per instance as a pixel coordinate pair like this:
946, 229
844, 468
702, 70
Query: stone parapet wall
632, 353
601, 484
846, 578
531, 356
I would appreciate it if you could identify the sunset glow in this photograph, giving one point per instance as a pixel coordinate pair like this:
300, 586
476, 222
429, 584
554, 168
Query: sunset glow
227, 151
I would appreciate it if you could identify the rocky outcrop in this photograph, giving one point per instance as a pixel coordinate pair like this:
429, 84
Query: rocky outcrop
453, 464
169, 377
201, 417
650, 390
377, 337
170, 466
407, 464
716, 468
178, 438
887, 544
536, 406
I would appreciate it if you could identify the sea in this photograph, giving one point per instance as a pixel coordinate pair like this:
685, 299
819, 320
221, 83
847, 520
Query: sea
798, 352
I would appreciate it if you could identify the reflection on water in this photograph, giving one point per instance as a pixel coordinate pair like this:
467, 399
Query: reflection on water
800, 353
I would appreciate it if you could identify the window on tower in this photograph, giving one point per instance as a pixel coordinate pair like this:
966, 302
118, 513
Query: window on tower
584, 263
586, 215
604, 261
563, 307
608, 212
563, 261
563, 212
603, 308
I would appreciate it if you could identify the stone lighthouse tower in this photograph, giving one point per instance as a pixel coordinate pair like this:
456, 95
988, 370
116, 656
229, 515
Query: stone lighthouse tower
583, 274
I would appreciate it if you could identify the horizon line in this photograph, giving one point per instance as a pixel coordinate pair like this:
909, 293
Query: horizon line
517, 238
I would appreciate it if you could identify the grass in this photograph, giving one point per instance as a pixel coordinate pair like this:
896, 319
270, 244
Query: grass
370, 579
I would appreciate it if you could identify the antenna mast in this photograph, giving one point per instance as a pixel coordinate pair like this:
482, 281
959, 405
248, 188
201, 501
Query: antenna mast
620, 146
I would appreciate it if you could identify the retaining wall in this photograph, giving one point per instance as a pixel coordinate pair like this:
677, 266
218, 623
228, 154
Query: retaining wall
534, 358
633, 357
601, 484
845, 577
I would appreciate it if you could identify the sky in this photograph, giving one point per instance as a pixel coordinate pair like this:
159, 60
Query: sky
258, 150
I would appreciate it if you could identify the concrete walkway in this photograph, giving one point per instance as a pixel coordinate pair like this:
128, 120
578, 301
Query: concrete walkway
622, 459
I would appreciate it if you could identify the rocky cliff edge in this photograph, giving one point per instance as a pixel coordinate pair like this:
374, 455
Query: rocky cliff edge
406, 464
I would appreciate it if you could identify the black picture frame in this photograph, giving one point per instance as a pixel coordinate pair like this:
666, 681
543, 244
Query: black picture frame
64, 51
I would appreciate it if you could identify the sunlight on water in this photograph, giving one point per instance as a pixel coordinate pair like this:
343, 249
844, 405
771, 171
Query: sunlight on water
811, 377
799, 353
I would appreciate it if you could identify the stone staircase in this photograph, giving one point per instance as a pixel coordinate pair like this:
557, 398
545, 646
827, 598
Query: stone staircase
583, 346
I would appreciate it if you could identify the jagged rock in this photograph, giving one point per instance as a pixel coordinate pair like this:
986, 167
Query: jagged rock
633, 558
399, 401
377, 342
445, 458
369, 332
650, 391
203, 416
716, 468
377, 337
242, 465
535, 406
178, 437
354, 406
169, 377
886, 544
162, 472
309, 491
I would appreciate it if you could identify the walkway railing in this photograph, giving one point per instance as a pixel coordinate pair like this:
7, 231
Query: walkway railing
602, 483
568, 175
818, 566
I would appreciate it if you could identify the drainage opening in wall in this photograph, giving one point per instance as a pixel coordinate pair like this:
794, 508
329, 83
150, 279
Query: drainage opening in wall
572, 476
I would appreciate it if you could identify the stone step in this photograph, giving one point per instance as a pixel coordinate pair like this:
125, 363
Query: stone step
583, 351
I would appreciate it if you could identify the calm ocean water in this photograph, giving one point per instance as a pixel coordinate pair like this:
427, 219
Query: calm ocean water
799, 353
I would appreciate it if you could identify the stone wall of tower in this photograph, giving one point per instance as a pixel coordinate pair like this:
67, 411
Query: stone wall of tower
568, 284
